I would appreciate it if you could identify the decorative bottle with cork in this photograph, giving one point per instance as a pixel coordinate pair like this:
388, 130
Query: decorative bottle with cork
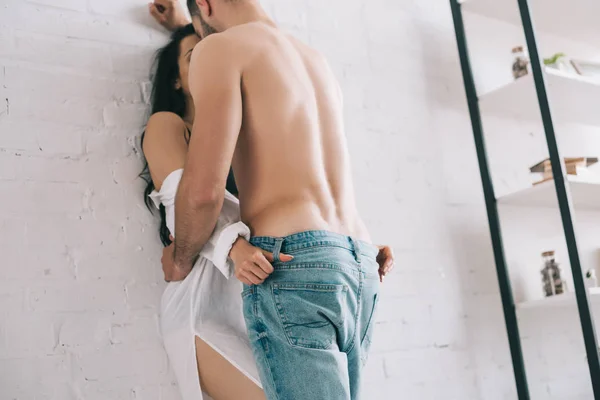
521, 63
552, 282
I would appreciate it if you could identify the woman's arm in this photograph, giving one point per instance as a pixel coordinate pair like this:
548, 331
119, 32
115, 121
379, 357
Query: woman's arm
168, 13
164, 146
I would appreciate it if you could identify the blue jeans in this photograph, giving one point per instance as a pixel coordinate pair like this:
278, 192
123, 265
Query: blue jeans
310, 323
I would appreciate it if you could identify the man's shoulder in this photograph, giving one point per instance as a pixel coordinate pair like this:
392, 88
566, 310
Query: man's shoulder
211, 42
233, 47
216, 46
244, 37
306, 48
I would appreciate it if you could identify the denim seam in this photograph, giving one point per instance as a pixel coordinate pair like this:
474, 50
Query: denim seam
269, 367
366, 340
358, 310
261, 337
247, 292
313, 287
255, 302
371, 317
323, 266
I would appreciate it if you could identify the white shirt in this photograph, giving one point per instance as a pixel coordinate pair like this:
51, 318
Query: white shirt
207, 303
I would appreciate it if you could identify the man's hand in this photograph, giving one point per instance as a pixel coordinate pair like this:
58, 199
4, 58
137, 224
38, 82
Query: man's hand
172, 272
385, 259
169, 13
252, 264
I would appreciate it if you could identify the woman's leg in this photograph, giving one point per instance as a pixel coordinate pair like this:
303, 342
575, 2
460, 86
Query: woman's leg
221, 380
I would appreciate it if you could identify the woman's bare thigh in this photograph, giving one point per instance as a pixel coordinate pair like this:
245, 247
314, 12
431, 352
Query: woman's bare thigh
220, 379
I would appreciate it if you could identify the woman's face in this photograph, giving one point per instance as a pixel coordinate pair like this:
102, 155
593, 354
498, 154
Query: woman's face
185, 53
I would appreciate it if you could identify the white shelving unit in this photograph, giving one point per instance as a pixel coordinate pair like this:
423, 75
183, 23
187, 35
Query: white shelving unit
573, 19
569, 25
574, 98
586, 196
562, 300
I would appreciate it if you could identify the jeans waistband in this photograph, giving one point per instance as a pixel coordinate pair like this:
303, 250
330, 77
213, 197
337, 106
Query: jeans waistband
308, 239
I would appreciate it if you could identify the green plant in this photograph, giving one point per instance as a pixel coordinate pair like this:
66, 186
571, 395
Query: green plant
553, 59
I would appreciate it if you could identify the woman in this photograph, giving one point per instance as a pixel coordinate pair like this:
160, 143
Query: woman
201, 318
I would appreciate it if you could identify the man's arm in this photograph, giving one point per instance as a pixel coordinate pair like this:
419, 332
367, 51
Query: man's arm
215, 86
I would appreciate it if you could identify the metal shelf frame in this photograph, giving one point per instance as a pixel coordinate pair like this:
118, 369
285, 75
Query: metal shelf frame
564, 201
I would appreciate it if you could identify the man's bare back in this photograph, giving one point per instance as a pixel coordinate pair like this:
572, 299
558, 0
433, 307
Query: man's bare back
291, 161
270, 106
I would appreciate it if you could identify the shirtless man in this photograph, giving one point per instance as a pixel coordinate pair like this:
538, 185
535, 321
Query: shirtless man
270, 106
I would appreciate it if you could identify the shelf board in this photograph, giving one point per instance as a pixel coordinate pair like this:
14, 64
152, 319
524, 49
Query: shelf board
573, 19
561, 300
573, 98
585, 195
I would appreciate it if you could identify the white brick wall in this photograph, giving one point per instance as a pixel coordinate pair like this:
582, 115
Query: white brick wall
80, 279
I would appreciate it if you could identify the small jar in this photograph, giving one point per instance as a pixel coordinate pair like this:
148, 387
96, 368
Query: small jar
520, 66
552, 281
591, 281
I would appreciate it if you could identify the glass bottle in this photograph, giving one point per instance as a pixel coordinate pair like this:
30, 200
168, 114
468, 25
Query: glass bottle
552, 282
521, 63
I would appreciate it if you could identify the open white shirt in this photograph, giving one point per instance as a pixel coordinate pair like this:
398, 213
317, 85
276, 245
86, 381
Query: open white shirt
207, 303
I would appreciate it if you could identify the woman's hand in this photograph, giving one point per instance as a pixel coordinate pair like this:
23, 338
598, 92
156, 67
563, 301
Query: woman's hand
252, 264
168, 13
385, 259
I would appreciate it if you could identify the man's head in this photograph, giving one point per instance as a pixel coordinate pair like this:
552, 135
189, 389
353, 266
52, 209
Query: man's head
208, 16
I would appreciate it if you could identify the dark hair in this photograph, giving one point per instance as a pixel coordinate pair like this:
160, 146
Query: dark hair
165, 97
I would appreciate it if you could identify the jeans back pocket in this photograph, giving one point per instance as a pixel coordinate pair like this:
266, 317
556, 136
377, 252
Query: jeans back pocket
311, 314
